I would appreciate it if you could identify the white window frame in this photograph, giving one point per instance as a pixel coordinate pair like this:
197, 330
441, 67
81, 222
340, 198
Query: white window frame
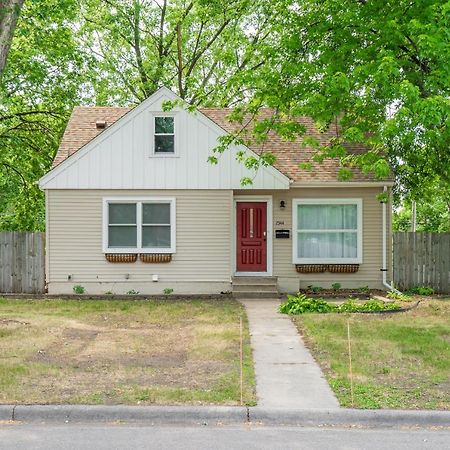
175, 140
139, 201
327, 201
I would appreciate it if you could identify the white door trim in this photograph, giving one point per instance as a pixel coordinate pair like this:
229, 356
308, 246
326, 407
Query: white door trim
254, 198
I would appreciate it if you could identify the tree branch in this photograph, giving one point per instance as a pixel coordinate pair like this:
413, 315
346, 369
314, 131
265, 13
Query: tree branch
9, 13
180, 62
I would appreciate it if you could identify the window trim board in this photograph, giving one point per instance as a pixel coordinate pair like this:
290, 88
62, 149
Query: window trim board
327, 201
175, 153
138, 201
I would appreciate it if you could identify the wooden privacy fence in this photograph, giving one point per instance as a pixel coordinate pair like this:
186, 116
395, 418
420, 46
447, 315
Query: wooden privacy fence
422, 259
22, 262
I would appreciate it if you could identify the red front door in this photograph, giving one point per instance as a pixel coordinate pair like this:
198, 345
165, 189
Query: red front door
251, 237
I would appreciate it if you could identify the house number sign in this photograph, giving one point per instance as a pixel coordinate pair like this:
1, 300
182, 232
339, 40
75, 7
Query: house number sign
282, 234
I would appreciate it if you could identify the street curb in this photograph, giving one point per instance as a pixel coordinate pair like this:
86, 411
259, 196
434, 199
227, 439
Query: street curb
350, 417
226, 415
6, 412
171, 415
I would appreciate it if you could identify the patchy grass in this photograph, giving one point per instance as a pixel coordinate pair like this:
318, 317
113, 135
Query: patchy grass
131, 352
399, 360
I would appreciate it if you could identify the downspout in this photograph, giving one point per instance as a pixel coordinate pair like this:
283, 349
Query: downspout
384, 262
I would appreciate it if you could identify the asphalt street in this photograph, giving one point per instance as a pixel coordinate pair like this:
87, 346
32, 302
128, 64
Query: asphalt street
115, 436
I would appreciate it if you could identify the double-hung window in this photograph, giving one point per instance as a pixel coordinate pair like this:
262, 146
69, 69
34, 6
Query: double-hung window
139, 226
164, 135
327, 231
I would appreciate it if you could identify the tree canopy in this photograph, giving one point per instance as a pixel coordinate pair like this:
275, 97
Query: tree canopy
377, 69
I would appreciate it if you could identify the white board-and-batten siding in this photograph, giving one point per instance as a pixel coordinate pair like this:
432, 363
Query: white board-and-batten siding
121, 157
201, 264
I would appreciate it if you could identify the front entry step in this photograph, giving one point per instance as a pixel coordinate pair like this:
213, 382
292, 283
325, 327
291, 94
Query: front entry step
255, 287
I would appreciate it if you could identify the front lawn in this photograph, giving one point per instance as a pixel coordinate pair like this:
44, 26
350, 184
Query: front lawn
118, 351
399, 360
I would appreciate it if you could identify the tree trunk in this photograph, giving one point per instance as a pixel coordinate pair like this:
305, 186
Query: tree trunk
9, 12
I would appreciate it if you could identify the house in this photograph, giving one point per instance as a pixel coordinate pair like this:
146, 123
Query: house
133, 205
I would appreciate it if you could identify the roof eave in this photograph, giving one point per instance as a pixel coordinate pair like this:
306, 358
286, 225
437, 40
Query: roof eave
333, 184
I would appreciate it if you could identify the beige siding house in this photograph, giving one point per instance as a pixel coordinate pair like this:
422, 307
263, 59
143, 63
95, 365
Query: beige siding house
133, 205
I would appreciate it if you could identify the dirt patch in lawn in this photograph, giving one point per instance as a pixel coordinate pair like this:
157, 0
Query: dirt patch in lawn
113, 352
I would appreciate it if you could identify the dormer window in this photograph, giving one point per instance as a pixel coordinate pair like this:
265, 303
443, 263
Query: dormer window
164, 135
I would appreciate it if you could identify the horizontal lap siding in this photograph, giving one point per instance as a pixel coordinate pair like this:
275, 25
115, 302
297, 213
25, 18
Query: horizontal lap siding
369, 270
203, 231
372, 234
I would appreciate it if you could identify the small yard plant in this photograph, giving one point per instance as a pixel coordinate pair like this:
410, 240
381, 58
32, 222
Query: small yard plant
393, 295
78, 289
167, 291
301, 304
336, 286
421, 290
132, 292
364, 290
350, 306
315, 289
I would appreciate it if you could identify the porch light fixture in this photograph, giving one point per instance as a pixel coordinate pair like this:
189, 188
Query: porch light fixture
282, 204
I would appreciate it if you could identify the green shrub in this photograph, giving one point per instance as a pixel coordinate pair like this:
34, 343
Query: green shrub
398, 296
422, 290
167, 291
336, 286
300, 304
314, 289
368, 306
132, 292
78, 289
364, 290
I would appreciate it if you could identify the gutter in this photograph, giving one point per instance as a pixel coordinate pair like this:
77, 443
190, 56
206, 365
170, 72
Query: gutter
341, 184
384, 251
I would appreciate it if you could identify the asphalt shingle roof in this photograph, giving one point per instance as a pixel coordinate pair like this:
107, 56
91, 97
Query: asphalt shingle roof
81, 129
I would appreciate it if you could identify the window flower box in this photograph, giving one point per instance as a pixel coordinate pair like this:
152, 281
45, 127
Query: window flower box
155, 257
121, 257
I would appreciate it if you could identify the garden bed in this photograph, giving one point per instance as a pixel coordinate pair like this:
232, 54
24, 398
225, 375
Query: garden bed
362, 293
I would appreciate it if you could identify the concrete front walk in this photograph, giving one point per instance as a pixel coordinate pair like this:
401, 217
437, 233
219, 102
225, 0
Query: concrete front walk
287, 376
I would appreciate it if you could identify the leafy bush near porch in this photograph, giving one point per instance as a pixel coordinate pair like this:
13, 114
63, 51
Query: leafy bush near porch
300, 304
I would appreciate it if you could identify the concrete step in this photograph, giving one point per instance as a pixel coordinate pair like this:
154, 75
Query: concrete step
237, 281
254, 294
255, 287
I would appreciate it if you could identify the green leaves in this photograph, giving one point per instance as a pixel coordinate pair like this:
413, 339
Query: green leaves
378, 69
300, 304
